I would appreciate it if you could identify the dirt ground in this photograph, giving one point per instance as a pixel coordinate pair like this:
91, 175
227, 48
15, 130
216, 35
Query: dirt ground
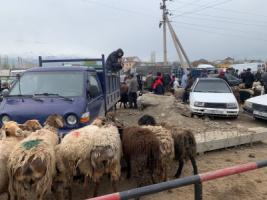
247, 186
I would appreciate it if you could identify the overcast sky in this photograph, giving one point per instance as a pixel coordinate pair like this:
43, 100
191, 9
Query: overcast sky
207, 28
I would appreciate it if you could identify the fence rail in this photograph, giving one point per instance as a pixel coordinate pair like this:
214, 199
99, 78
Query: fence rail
208, 176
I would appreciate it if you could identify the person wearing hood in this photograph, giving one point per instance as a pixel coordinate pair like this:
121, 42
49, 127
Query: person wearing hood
222, 76
157, 86
114, 61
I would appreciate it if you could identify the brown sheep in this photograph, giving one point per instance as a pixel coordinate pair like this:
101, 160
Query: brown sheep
184, 143
31, 125
31, 165
124, 95
141, 150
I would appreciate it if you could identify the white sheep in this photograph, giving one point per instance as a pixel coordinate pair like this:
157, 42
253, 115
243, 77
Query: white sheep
31, 165
11, 135
95, 150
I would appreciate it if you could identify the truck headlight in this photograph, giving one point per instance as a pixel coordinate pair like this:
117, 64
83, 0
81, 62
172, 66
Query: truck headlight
248, 105
5, 118
199, 104
71, 120
85, 117
231, 105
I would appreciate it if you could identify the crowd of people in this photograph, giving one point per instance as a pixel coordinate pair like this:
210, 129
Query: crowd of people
247, 77
166, 82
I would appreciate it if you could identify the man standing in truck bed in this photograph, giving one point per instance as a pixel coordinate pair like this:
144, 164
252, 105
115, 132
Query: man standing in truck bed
114, 61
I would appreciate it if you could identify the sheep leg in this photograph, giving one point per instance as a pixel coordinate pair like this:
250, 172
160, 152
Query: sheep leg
8, 196
96, 189
198, 186
129, 168
85, 183
152, 176
179, 170
114, 186
69, 193
165, 173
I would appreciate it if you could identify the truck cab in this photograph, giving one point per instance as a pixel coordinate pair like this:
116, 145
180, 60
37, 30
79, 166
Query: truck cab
79, 94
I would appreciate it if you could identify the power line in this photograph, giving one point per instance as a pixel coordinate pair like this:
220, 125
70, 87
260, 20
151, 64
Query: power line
188, 3
233, 11
230, 18
118, 8
204, 8
217, 27
243, 12
224, 20
148, 15
207, 30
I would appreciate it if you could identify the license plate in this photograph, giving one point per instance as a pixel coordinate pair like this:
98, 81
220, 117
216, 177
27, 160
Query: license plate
259, 113
215, 112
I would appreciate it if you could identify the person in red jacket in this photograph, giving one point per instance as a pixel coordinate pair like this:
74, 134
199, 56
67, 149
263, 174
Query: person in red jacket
157, 86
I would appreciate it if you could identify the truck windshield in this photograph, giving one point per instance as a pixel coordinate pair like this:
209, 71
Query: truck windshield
212, 86
67, 84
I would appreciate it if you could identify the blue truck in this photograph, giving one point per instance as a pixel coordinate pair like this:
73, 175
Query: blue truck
78, 93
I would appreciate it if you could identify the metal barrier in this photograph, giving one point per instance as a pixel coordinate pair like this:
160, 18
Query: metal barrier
151, 189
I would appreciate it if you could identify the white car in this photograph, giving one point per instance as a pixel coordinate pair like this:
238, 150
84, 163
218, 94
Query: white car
257, 106
213, 96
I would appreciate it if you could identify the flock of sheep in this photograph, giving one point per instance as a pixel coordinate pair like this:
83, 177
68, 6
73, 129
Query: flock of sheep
33, 163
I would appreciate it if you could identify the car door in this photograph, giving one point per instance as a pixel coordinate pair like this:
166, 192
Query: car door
95, 97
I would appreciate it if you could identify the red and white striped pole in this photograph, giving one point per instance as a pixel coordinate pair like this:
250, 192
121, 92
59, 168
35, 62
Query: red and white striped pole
208, 176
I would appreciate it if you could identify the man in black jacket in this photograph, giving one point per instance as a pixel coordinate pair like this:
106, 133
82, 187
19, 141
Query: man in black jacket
248, 79
113, 62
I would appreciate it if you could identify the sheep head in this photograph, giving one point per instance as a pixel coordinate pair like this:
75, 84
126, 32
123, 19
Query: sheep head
31, 125
101, 157
11, 128
99, 121
55, 121
147, 120
31, 172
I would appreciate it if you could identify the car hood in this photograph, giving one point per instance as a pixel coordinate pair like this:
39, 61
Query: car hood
213, 97
21, 110
262, 100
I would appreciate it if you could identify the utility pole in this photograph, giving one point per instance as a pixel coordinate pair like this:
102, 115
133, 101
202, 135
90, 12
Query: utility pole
185, 63
163, 22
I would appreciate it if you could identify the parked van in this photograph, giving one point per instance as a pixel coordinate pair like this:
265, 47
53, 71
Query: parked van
79, 94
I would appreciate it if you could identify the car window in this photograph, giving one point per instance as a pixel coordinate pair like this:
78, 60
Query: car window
212, 86
93, 87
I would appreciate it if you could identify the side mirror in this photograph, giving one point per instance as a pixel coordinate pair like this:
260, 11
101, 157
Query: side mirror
5, 92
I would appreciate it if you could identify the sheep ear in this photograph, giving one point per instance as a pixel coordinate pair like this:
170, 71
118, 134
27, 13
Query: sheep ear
59, 122
2, 133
